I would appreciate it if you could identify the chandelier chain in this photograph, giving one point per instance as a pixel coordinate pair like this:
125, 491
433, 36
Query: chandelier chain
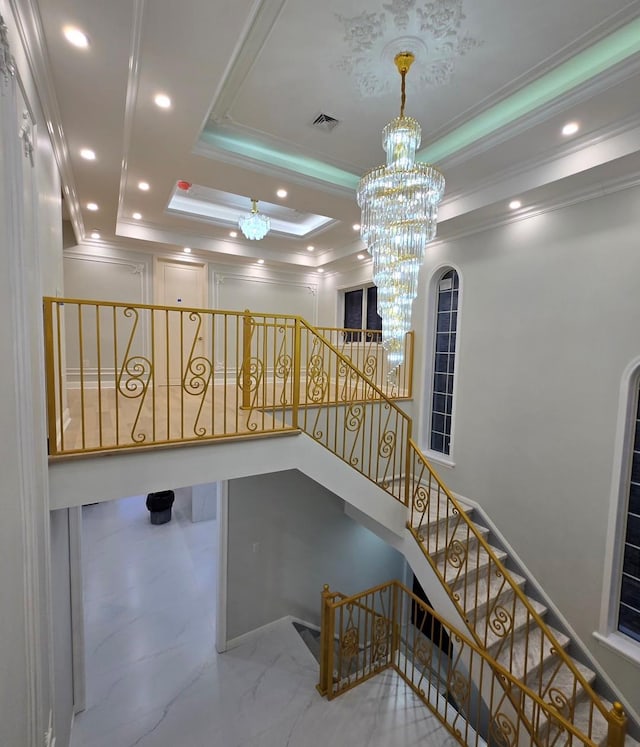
403, 97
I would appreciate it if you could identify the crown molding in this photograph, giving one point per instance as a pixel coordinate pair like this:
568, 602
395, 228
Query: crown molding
578, 95
575, 197
133, 84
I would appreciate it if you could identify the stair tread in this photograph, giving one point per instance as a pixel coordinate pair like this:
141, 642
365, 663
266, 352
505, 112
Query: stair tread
457, 566
439, 537
490, 627
537, 647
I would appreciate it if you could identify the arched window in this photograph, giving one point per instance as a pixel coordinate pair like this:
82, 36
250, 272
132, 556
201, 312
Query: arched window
444, 362
629, 605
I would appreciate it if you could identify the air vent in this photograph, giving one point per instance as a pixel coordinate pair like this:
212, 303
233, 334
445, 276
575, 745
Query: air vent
325, 122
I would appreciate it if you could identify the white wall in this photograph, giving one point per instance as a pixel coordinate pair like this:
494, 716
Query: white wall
30, 243
105, 272
550, 318
288, 536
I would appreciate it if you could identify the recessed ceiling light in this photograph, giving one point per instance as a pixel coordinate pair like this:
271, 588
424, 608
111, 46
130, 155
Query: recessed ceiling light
76, 37
570, 128
233, 234
95, 234
92, 206
144, 186
356, 226
187, 250
310, 248
282, 193
136, 216
360, 256
162, 100
320, 269
515, 204
88, 154
261, 261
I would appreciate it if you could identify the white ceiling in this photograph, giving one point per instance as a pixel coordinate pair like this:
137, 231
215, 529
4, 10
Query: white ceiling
492, 86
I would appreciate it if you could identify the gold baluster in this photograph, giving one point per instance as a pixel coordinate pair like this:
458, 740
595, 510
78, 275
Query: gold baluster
247, 334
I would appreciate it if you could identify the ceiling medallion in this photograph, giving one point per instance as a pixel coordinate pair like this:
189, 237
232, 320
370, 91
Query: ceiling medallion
438, 24
399, 203
254, 226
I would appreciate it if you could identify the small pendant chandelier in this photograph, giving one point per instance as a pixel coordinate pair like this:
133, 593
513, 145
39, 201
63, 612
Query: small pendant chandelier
255, 226
399, 203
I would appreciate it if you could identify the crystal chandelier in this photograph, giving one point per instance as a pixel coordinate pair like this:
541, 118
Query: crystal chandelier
254, 226
399, 203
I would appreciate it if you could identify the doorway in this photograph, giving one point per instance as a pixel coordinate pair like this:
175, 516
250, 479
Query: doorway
180, 335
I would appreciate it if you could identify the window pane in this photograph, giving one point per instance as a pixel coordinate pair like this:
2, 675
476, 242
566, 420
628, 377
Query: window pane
630, 594
631, 565
634, 498
374, 320
353, 314
444, 361
629, 609
353, 309
629, 622
633, 530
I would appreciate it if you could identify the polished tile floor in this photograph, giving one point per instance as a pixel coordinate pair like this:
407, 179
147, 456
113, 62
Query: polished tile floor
154, 678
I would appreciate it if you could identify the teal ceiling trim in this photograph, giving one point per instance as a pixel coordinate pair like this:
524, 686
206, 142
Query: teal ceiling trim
256, 151
603, 55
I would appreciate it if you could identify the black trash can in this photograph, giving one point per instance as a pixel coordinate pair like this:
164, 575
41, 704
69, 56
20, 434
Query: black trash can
159, 505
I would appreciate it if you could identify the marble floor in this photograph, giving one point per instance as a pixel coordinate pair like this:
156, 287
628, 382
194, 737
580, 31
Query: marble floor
154, 678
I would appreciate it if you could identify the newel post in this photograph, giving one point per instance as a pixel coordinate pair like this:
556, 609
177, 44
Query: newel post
617, 726
326, 642
297, 373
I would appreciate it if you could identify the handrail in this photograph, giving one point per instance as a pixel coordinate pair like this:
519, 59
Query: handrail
364, 348
403, 646
454, 551
246, 374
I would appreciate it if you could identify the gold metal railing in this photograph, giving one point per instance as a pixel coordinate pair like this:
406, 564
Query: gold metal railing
364, 349
125, 376
476, 698
502, 619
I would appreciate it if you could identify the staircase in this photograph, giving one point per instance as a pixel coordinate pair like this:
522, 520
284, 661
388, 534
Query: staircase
315, 387
509, 624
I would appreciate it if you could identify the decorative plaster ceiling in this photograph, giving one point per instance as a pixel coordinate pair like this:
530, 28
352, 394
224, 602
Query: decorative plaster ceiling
492, 86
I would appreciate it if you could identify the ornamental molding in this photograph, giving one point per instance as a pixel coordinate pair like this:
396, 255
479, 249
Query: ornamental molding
7, 65
26, 135
433, 31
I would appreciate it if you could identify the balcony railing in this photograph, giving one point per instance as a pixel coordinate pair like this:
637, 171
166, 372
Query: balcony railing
128, 376
475, 697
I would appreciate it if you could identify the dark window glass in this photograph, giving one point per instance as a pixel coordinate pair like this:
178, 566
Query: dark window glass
630, 592
634, 498
444, 362
374, 320
629, 622
629, 609
358, 315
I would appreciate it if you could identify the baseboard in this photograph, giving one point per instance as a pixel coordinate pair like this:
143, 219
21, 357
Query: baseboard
250, 635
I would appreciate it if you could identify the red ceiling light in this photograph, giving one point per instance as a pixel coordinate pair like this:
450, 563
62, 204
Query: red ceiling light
186, 186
